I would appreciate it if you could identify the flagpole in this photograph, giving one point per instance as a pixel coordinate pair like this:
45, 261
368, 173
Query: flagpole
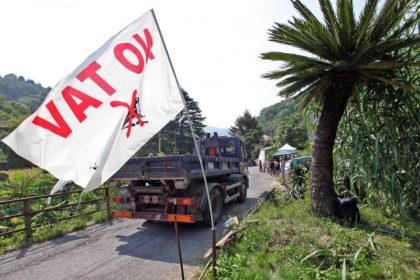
213, 230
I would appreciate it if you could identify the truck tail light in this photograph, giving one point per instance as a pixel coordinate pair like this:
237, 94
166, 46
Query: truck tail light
181, 201
121, 199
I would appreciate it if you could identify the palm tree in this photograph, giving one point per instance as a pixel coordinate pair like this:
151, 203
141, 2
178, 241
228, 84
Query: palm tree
345, 54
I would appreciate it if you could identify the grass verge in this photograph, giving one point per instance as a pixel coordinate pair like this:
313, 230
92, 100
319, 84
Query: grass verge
286, 242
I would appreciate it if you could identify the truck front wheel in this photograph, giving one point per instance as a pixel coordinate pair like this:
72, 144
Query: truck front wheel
216, 205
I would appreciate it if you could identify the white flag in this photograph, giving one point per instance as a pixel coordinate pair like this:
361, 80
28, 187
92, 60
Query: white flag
99, 115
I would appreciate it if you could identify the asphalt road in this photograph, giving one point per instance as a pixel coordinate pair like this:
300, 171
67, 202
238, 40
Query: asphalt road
126, 249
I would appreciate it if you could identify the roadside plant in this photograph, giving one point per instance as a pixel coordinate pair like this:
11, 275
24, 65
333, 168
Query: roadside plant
297, 186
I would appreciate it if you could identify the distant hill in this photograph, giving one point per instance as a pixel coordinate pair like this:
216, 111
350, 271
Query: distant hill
220, 131
19, 97
270, 116
24, 91
285, 123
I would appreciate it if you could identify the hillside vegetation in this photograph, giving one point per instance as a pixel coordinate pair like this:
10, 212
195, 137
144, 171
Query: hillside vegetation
285, 123
19, 97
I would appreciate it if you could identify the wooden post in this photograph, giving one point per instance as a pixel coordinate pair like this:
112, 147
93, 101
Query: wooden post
28, 218
179, 249
213, 249
107, 203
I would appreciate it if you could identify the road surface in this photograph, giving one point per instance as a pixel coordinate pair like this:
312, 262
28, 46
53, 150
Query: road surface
126, 249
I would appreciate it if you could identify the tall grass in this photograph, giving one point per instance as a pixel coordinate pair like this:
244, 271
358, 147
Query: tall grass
378, 144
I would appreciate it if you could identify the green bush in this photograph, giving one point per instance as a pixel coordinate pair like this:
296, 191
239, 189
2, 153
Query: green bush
4, 177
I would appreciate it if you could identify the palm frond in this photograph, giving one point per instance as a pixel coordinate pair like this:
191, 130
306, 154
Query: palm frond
290, 69
409, 23
385, 65
288, 35
389, 16
290, 57
305, 12
329, 17
346, 23
366, 18
315, 90
360, 53
392, 82
319, 36
396, 44
296, 87
313, 28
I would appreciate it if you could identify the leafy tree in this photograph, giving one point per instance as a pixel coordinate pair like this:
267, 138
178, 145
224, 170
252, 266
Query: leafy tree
344, 54
18, 98
291, 130
246, 127
175, 137
271, 116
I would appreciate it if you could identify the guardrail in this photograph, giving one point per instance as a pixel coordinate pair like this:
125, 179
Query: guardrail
28, 214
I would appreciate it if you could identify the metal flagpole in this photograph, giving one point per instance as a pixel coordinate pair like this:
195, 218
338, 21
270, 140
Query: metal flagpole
213, 229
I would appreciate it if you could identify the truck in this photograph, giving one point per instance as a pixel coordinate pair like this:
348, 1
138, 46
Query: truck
172, 188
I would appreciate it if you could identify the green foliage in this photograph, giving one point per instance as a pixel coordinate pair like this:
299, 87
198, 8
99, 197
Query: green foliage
25, 92
288, 243
4, 177
18, 99
292, 131
269, 116
175, 137
342, 55
379, 147
247, 129
285, 123
298, 183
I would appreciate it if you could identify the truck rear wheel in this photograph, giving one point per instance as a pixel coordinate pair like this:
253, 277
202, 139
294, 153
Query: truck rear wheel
242, 192
216, 205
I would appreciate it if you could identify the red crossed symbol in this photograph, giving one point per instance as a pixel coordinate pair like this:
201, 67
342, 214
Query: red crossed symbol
131, 111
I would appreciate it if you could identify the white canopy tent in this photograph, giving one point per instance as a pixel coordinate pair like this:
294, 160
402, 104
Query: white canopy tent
285, 150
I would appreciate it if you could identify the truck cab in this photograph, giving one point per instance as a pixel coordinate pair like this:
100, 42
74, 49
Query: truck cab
224, 146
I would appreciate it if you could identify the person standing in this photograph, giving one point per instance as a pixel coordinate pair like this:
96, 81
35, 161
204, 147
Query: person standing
282, 169
260, 165
271, 167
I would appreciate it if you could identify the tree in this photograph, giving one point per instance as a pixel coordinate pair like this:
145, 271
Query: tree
344, 55
185, 143
246, 127
175, 137
292, 131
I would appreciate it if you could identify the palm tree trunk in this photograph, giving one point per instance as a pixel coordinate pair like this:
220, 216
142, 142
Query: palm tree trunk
322, 185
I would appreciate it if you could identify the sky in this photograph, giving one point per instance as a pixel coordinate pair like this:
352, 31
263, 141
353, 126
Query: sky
214, 45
